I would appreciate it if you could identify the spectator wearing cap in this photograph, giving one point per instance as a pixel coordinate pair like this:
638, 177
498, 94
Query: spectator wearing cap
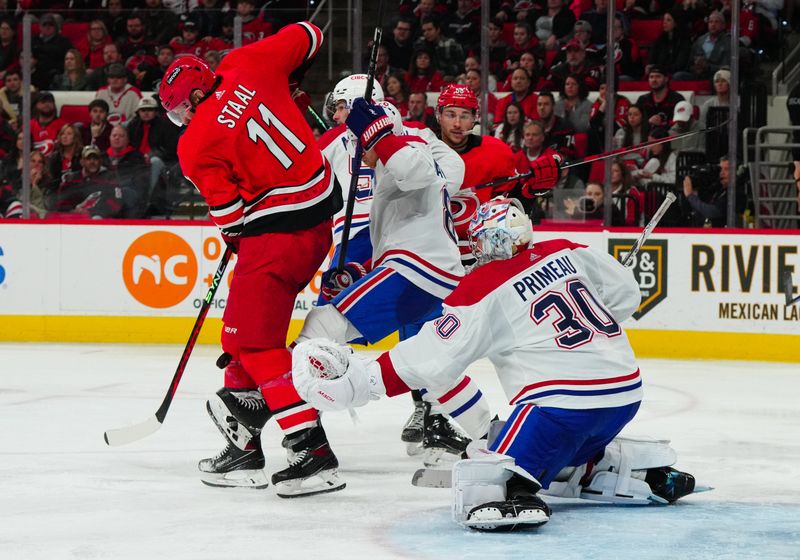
582, 33
99, 131
160, 23
50, 47
93, 191
135, 41
189, 41
155, 137
9, 50
254, 28
576, 64
122, 98
722, 92
659, 103
554, 23
671, 50
710, 52
683, 122
153, 74
111, 55
91, 46
448, 56
45, 123
11, 96
74, 77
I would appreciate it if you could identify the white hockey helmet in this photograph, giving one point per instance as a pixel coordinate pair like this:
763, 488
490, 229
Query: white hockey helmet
351, 87
499, 229
393, 113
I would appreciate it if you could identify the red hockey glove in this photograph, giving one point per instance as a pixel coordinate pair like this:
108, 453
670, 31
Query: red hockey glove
544, 174
301, 99
231, 241
334, 281
369, 122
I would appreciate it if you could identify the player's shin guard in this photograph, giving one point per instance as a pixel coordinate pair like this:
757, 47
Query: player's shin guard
239, 415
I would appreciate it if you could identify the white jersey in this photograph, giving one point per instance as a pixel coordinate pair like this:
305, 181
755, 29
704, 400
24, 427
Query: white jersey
337, 147
549, 321
410, 223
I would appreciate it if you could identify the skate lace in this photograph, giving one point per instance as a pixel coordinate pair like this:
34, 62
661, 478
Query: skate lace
251, 400
222, 453
299, 458
417, 418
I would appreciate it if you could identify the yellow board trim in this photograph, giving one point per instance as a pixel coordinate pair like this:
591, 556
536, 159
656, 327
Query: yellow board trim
167, 330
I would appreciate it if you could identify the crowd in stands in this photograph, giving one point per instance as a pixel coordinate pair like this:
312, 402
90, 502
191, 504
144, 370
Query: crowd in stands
546, 58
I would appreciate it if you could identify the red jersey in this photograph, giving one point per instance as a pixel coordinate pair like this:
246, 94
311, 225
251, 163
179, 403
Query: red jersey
529, 106
198, 48
248, 148
486, 158
44, 137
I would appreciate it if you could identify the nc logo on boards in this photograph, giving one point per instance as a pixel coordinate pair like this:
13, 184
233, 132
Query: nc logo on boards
159, 269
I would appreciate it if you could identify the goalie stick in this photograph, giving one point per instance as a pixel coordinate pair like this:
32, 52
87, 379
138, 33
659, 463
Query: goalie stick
129, 434
351, 197
648, 229
600, 157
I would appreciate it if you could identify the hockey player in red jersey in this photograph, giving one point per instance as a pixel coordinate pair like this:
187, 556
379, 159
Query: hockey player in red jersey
548, 316
249, 151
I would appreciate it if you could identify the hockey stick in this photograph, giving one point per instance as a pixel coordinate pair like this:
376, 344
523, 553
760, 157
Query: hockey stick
648, 229
129, 434
600, 157
788, 289
351, 197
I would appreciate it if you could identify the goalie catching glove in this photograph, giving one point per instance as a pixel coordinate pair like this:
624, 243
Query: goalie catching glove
335, 281
329, 376
544, 173
368, 122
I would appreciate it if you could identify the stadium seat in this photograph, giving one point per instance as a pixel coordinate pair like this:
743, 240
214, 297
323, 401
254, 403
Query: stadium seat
75, 31
646, 31
597, 173
75, 114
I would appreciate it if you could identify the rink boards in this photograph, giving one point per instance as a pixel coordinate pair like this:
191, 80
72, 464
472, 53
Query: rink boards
705, 293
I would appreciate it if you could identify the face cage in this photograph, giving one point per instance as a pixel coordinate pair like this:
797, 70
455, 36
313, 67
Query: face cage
491, 244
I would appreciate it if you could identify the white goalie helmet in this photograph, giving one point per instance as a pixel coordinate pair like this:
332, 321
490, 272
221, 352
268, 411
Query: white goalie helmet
499, 229
351, 87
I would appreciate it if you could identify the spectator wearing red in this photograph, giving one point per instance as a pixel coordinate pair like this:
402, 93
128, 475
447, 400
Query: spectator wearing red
122, 98
160, 22
121, 156
49, 47
93, 191
576, 64
66, 156
597, 118
533, 147
99, 131
397, 90
92, 45
420, 113
472, 63
659, 103
45, 124
9, 50
399, 45
527, 61
74, 77
254, 28
155, 137
671, 50
134, 41
522, 93
524, 41
189, 41
423, 75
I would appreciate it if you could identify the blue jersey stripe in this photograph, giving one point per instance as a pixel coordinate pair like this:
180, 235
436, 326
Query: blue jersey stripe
575, 393
422, 272
467, 405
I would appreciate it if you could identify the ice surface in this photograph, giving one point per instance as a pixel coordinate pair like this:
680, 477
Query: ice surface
65, 495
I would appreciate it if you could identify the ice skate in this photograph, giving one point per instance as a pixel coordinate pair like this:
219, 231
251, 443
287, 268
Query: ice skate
239, 416
313, 470
413, 429
442, 442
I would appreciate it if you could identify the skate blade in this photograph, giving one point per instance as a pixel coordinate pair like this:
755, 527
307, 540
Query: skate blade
414, 448
255, 479
320, 483
493, 520
432, 478
439, 457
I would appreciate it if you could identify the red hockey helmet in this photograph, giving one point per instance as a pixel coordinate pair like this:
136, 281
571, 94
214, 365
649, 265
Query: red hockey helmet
457, 95
186, 74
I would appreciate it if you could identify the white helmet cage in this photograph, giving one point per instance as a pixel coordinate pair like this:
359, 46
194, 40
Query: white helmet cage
351, 87
497, 228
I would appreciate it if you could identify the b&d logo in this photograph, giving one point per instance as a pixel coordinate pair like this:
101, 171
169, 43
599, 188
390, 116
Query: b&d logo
2, 270
159, 269
649, 269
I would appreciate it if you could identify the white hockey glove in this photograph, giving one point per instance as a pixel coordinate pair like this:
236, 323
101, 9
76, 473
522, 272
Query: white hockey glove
329, 376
